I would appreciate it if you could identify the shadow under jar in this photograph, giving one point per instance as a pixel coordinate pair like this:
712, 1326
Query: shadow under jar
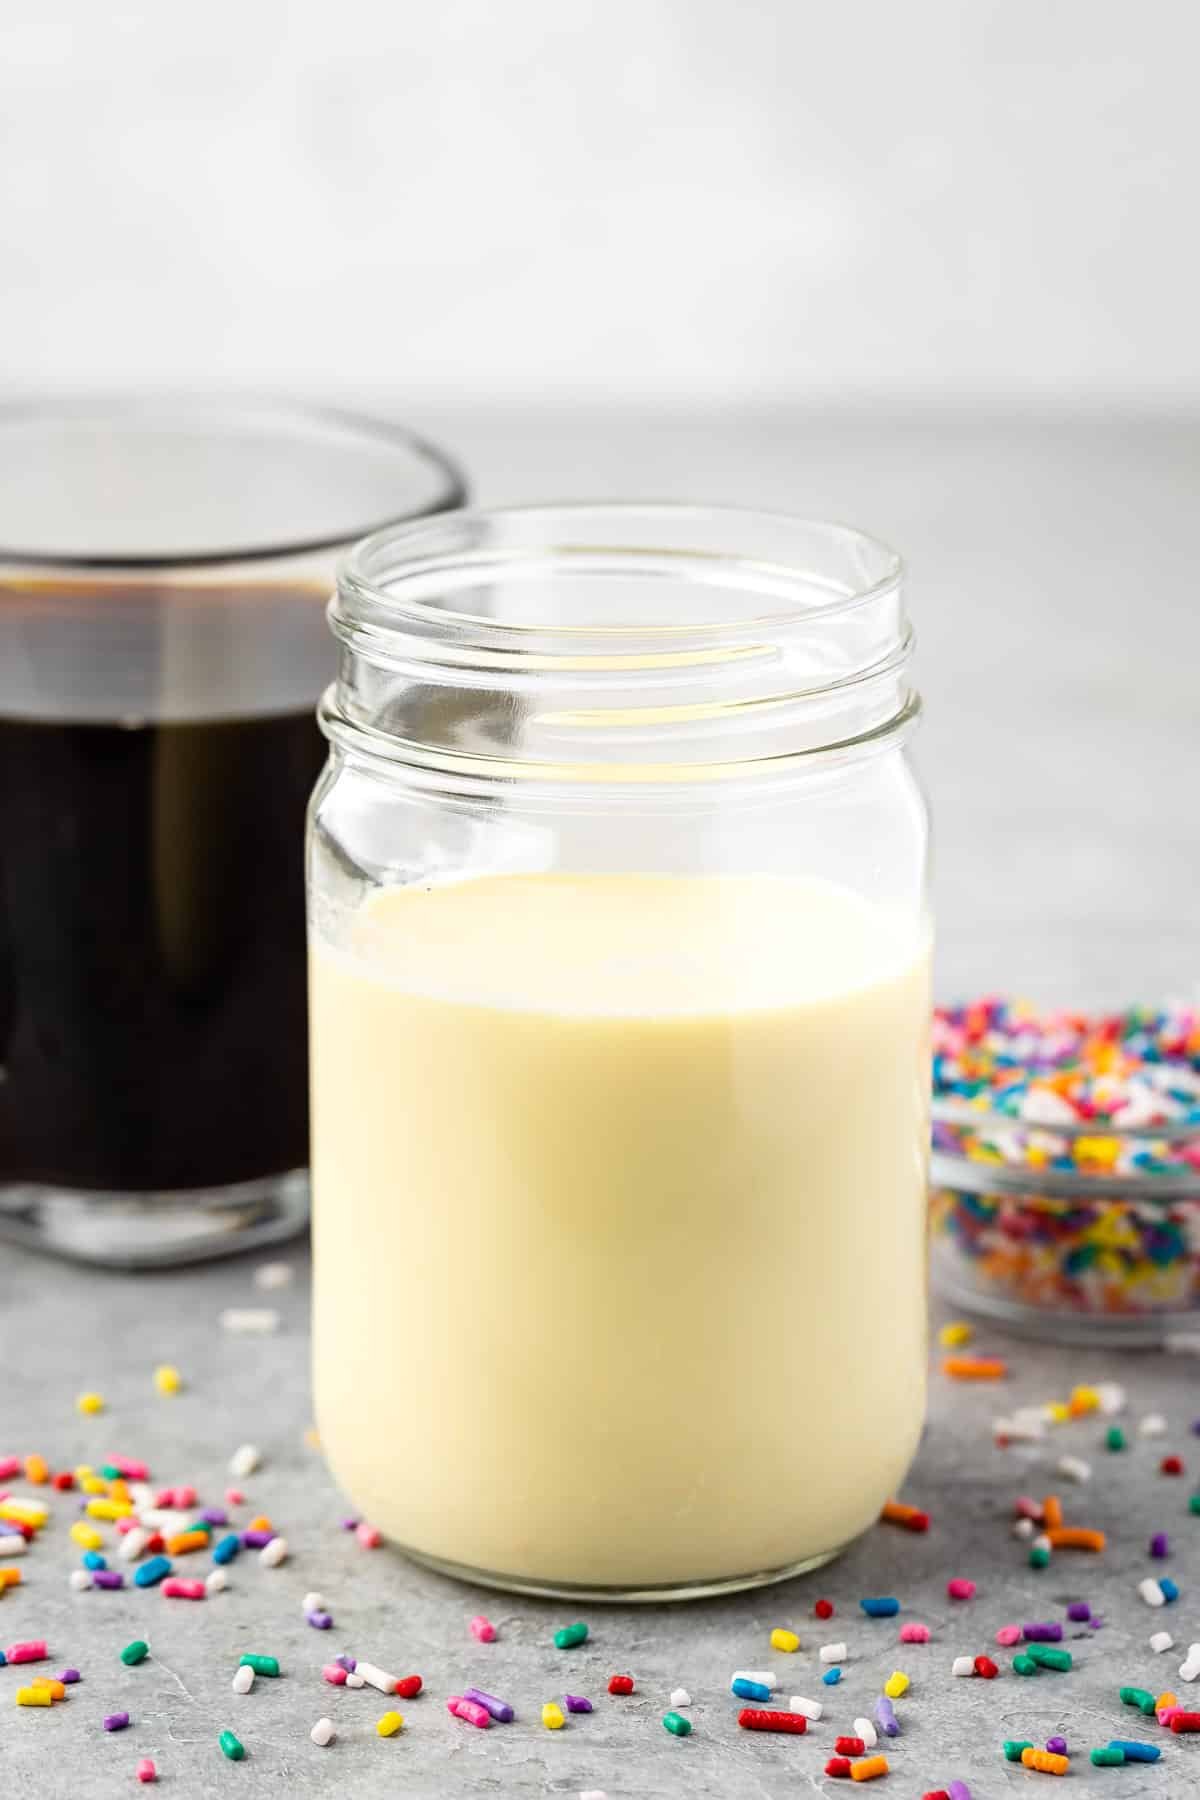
162, 647
619, 950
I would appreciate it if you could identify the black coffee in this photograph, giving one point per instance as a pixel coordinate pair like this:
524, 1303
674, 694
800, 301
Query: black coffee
152, 960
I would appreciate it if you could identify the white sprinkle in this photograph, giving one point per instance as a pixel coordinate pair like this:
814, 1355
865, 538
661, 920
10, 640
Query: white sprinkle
1074, 1468
1023, 1528
378, 1678
1162, 1640
15, 1545
680, 1697
864, 1729
1153, 1425
1151, 1593
272, 1275
322, 1732
963, 1665
272, 1554
592, 1794
1041, 1542
764, 1677
243, 1462
1190, 1669
1183, 1343
1020, 1431
1112, 1396
257, 1319
216, 1581
811, 1709
243, 1678
80, 1580
133, 1544
832, 1653
314, 1603
142, 1496
354, 1679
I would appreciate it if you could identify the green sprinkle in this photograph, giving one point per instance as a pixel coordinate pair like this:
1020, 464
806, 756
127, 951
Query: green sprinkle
1014, 1746
135, 1652
1194, 1503
232, 1746
1109, 1758
110, 1472
262, 1665
1025, 1665
200, 1525
567, 1636
1114, 1439
1047, 1658
1039, 1558
676, 1724
1136, 1696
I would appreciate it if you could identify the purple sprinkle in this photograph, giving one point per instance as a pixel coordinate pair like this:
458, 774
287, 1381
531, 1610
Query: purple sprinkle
1042, 1634
885, 1717
577, 1703
255, 1540
320, 1621
1095, 1622
116, 1721
1079, 1611
68, 1676
349, 1663
352, 1525
107, 1578
1159, 1544
1057, 1746
1196, 1426
958, 1790
499, 1709
215, 1515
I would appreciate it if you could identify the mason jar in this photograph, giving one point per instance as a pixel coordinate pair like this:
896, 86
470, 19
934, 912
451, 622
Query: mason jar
619, 999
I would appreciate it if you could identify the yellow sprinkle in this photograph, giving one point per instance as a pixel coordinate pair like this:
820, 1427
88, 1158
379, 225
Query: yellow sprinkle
312, 1438
782, 1639
90, 1403
94, 1484
86, 1536
956, 1334
34, 1696
1057, 1412
167, 1379
24, 1512
552, 1716
390, 1724
109, 1509
896, 1684
1083, 1400
83, 1471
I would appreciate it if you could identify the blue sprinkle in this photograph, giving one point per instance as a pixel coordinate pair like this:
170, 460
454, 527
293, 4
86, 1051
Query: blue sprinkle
92, 1559
148, 1574
1135, 1751
831, 1677
749, 1690
227, 1549
1170, 1591
882, 1608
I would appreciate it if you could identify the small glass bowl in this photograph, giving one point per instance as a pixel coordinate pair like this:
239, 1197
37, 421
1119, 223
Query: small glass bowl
1073, 1232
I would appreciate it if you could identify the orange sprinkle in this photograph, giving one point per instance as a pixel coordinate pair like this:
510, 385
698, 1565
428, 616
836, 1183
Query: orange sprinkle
1052, 1513
868, 1768
57, 1690
119, 1490
183, 1541
898, 1512
975, 1368
9, 1577
37, 1469
1046, 1761
262, 1523
1075, 1537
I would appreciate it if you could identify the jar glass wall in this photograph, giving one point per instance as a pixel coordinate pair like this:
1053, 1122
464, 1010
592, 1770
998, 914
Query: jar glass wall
619, 1010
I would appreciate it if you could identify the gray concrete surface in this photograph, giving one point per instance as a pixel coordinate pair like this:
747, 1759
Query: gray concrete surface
1052, 584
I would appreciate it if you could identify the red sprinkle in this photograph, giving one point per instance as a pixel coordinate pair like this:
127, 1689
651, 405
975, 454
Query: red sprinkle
1171, 1465
63, 1481
823, 1609
986, 1667
620, 1684
850, 1746
753, 1718
936, 1794
1180, 1720
838, 1766
409, 1686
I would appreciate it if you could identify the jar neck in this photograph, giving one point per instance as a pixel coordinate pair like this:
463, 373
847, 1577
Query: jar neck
619, 644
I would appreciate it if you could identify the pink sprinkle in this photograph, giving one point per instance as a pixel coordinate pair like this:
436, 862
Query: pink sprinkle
1167, 1713
914, 1634
470, 1710
9, 1465
146, 1770
960, 1588
132, 1471
176, 1589
124, 1525
234, 1497
34, 1650
335, 1676
483, 1630
1025, 1508
370, 1537
1009, 1634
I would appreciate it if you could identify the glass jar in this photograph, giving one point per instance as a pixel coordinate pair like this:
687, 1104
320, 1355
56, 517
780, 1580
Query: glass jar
164, 566
619, 1007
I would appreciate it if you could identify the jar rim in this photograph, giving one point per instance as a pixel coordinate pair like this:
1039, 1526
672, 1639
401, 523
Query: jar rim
393, 572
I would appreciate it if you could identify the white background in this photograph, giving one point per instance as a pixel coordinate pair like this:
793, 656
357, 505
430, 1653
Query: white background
650, 201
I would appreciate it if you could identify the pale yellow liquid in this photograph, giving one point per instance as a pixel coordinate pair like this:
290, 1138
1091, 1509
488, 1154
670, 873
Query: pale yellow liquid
619, 1192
